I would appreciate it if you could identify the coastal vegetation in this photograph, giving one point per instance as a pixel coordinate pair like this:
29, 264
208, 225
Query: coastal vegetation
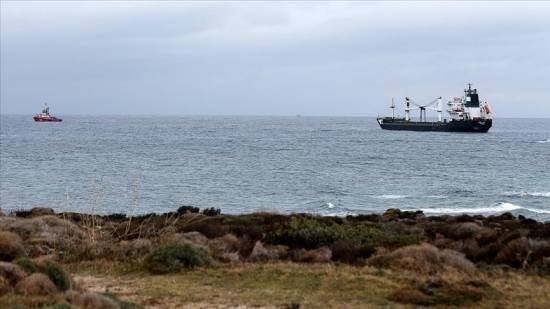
204, 258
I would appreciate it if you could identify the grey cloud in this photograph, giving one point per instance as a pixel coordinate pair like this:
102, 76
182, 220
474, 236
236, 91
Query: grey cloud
282, 59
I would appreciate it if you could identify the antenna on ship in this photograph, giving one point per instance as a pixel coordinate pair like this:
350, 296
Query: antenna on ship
392, 106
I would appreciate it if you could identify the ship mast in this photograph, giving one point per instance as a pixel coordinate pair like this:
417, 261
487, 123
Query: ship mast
407, 109
392, 106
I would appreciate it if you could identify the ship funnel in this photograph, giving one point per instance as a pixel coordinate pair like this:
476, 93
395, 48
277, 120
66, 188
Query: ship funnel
471, 97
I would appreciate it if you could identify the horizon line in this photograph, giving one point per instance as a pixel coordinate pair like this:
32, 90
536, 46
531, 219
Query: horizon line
240, 115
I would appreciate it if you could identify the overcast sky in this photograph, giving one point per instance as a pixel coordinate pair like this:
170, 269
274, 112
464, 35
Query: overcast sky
271, 58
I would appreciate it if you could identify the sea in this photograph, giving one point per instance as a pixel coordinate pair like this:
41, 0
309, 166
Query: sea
332, 166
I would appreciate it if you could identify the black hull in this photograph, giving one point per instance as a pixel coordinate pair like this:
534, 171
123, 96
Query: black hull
470, 126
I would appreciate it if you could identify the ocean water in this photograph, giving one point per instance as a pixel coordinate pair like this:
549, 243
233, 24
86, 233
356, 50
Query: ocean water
322, 165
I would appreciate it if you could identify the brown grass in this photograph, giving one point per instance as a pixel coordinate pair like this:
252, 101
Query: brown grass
11, 246
11, 272
36, 284
4, 286
91, 301
320, 255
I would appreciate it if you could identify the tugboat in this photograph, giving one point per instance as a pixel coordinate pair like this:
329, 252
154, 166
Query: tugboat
466, 113
45, 115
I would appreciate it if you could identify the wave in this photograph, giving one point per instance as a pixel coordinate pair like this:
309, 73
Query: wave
391, 196
500, 207
524, 193
325, 208
543, 141
397, 196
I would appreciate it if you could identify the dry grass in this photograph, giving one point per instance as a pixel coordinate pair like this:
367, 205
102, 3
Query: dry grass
91, 301
11, 246
11, 272
36, 284
314, 286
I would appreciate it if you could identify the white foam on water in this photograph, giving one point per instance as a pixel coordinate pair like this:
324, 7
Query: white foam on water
543, 141
541, 194
391, 196
539, 211
523, 193
436, 196
330, 205
502, 207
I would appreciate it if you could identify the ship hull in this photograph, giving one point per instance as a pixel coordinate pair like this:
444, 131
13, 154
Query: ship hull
470, 126
46, 118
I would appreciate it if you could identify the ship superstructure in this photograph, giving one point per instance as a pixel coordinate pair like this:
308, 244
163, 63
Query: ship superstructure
466, 114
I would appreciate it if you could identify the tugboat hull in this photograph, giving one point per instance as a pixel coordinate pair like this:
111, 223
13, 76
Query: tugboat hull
470, 126
46, 118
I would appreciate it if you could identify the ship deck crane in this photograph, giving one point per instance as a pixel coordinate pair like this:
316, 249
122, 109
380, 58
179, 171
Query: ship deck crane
423, 108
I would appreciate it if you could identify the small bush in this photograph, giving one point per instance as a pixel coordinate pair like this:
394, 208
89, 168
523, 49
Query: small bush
310, 233
175, 257
36, 284
11, 246
56, 274
320, 255
464, 230
134, 249
211, 212
185, 209
11, 272
42, 211
423, 258
26, 265
225, 248
521, 252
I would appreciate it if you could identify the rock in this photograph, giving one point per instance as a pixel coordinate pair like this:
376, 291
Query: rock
36, 284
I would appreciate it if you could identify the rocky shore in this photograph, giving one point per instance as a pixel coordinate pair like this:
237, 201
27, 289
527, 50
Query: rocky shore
73, 260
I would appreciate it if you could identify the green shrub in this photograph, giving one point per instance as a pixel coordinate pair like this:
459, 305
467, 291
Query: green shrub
56, 274
310, 233
175, 257
26, 264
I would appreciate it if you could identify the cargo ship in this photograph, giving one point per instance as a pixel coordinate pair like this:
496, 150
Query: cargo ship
466, 114
45, 115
